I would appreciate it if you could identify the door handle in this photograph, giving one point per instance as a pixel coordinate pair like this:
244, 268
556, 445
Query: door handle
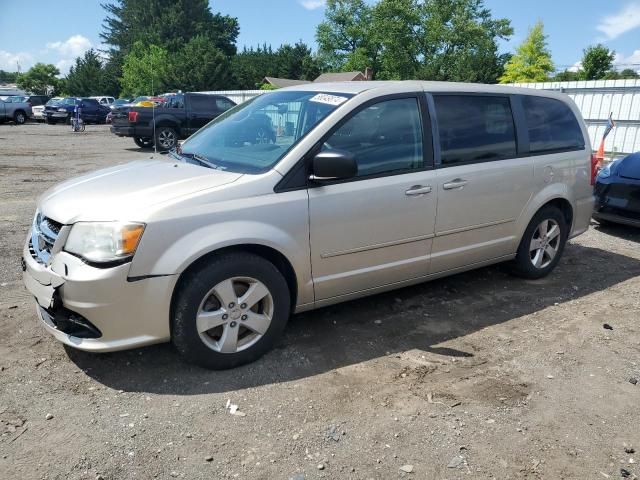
458, 183
418, 190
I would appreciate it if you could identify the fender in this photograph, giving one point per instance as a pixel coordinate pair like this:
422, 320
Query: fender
164, 120
544, 196
186, 249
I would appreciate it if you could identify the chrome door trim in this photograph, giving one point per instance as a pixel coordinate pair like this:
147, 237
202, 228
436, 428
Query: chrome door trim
378, 245
474, 227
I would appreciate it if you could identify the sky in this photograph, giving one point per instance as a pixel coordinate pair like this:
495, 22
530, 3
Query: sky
67, 28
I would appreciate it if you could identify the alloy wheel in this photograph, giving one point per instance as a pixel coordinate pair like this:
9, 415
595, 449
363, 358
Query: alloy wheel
235, 314
166, 139
545, 243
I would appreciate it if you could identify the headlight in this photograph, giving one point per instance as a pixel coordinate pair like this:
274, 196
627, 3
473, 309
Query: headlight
103, 242
62, 109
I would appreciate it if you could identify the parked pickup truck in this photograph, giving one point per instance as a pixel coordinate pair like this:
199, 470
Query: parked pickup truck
14, 108
177, 118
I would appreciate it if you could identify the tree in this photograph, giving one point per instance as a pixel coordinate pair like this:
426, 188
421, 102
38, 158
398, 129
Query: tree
628, 73
459, 41
289, 61
85, 77
532, 60
567, 76
168, 24
597, 61
395, 23
144, 70
8, 77
111, 74
41, 79
345, 38
296, 62
199, 66
402, 39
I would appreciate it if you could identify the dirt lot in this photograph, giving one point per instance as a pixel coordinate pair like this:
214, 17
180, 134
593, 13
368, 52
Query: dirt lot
476, 376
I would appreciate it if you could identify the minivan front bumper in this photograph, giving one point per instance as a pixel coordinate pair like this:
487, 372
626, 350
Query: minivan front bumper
98, 309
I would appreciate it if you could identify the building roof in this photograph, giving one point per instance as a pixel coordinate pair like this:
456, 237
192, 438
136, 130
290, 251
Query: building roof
283, 82
340, 77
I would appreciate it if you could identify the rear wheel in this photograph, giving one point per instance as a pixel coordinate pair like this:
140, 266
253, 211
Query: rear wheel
166, 138
230, 311
19, 117
542, 244
143, 142
51, 121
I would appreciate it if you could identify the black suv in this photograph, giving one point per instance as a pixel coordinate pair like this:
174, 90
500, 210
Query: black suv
37, 100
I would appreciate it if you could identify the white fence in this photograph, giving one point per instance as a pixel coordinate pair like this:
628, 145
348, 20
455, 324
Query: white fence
595, 99
238, 96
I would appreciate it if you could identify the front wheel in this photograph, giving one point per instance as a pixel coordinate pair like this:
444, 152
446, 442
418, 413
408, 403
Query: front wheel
230, 311
166, 138
542, 244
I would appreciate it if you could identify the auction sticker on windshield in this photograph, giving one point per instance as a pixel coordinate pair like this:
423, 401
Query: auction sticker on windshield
328, 99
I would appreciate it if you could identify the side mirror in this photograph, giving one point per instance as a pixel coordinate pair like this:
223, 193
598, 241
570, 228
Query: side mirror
333, 165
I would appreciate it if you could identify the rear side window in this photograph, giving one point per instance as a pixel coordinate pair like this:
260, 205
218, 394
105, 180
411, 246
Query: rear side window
202, 103
552, 125
223, 104
475, 128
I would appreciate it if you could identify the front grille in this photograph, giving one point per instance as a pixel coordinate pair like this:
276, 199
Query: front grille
44, 234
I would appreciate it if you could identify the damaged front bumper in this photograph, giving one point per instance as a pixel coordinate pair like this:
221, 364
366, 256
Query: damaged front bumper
97, 309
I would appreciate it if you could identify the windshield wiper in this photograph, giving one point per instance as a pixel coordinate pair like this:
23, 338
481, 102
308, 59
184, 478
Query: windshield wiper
200, 159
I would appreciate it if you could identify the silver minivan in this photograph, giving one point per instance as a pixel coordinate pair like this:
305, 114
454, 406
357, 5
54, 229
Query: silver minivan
305, 197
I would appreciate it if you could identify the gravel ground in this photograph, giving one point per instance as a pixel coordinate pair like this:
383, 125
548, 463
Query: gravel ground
480, 375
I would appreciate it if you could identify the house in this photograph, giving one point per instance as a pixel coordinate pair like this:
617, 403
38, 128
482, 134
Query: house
341, 77
325, 77
283, 82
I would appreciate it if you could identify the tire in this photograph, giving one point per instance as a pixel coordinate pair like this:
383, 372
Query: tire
143, 142
531, 262
262, 136
51, 121
202, 291
166, 138
19, 117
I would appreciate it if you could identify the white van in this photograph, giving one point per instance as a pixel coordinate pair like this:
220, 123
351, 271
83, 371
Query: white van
304, 197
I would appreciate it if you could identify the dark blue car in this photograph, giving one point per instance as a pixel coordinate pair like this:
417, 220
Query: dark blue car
63, 110
617, 192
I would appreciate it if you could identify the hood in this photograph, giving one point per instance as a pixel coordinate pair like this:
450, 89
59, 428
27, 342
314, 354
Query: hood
629, 167
126, 191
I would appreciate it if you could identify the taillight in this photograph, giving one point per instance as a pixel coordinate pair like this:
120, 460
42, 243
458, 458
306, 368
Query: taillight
133, 117
594, 168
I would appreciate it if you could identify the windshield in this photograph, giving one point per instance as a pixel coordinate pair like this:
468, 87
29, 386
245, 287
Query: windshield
69, 101
254, 136
121, 101
54, 101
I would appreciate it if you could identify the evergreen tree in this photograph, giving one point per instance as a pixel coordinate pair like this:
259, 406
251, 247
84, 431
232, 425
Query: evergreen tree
85, 77
532, 60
